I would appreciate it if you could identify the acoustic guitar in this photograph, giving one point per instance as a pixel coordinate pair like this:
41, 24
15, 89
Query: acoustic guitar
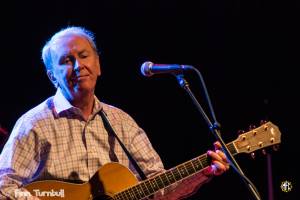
114, 181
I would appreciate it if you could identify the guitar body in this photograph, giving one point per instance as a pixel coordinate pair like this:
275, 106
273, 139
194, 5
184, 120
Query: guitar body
110, 179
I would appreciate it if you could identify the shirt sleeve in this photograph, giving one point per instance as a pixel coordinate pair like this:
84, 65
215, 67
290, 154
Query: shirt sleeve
19, 159
145, 155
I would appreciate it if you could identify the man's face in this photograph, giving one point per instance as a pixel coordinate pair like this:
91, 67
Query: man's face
76, 66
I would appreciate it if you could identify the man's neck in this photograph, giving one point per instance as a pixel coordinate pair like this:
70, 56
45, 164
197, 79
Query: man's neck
85, 103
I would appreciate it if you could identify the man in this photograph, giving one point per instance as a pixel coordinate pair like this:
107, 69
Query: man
64, 137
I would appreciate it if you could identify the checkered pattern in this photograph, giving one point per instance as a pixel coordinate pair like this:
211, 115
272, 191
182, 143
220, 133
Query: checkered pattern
53, 141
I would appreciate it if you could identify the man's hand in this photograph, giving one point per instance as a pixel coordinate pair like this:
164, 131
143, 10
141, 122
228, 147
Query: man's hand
219, 163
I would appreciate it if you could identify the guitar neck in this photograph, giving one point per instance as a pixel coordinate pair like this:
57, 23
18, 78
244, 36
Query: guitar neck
171, 176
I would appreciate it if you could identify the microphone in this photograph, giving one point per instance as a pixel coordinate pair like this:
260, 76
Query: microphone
149, 68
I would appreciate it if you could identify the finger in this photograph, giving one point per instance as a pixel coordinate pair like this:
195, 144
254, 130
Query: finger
217, 145
214, 155
222, 155
222, 164
219, 166
213, 170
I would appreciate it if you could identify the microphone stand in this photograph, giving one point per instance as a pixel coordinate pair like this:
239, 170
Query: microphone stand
215, 129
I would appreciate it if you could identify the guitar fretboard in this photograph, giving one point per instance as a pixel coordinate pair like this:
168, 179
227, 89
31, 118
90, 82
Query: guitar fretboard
171, 176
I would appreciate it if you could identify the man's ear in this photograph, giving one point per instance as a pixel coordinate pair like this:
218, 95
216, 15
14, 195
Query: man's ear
99, 66
52, 78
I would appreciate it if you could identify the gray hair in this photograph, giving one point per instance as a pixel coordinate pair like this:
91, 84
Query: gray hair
72, 30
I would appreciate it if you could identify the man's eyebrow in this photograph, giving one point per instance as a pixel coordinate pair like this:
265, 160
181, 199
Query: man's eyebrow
63, 56
83, 51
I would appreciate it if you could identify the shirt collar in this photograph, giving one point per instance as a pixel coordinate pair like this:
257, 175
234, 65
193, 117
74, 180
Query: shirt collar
62, 104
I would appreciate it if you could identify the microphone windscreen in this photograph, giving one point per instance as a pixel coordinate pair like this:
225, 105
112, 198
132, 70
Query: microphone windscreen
146, 68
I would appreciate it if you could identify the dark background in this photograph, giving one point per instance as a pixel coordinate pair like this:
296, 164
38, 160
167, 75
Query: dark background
247, 52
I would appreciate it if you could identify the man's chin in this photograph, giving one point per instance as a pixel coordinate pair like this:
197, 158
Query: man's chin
84, 88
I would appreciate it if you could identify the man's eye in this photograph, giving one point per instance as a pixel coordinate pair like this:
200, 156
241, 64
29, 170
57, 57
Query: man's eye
68, 60
84, 56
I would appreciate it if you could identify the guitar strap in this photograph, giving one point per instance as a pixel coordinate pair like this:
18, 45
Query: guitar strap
111, 131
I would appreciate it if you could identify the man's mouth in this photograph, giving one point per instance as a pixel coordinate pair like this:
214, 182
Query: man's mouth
79, 78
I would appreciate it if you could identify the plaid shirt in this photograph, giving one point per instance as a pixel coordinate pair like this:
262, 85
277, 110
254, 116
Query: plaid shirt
53, 141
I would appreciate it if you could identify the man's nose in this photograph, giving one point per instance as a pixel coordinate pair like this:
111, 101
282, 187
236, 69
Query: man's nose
78, 65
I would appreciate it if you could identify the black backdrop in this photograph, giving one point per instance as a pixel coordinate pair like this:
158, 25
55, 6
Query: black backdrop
247, 52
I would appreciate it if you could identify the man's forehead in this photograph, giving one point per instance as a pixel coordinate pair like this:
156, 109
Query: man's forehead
65, 44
